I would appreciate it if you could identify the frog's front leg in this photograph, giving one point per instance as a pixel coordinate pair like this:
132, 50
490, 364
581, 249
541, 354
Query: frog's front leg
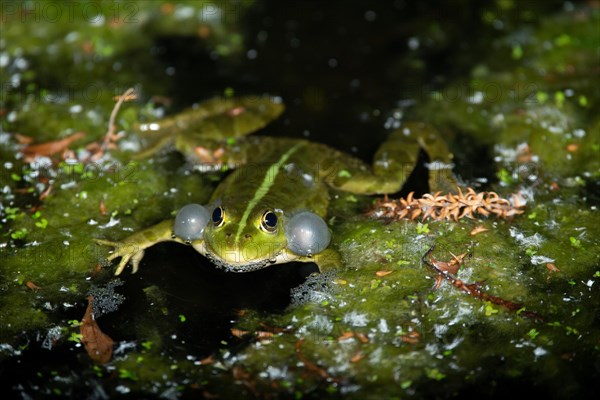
132, 248
326, 260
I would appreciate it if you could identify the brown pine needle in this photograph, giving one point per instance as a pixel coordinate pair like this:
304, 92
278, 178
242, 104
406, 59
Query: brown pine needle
477, 230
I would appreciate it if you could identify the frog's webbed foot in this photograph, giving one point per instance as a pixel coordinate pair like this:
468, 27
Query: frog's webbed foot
128, 251
131, 249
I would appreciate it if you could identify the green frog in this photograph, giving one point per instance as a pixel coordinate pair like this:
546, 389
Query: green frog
271, 208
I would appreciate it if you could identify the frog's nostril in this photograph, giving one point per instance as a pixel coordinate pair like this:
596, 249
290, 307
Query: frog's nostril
247, 236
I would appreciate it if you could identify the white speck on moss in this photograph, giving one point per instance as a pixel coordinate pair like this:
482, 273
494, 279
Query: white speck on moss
356, 319
539, 260
383, 326
113, 221
534, 240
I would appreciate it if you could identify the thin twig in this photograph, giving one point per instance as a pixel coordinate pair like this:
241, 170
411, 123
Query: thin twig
475, 291
129, 94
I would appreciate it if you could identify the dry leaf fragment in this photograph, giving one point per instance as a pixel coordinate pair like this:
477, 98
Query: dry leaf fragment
357, 357
362, 337
51, 148
477, 230
238, 333
98, 345
438, 282
102, 208
552, 267
411, 337
207, 360
45, 193
32, 285
383, 273
264, 334
452, 266
22, 139
345, 336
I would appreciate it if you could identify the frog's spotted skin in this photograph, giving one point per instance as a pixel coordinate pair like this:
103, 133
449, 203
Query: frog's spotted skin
271, 208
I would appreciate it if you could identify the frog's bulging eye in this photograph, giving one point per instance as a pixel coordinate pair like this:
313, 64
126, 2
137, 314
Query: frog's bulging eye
217, 216
268, 222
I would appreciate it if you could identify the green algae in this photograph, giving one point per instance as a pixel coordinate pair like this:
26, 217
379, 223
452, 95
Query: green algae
416, 340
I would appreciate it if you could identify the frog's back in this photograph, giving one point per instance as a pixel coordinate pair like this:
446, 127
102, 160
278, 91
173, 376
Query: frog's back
282, 180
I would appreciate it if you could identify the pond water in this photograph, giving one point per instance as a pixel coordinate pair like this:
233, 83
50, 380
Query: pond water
510, 86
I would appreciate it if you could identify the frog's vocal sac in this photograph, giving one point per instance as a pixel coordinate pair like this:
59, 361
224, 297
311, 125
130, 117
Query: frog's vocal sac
271, 208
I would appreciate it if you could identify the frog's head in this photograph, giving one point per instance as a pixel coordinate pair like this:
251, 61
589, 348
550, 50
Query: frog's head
240, 240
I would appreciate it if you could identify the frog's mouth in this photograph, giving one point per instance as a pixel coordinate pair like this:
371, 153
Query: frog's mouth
280, 257
239, 267
231, 265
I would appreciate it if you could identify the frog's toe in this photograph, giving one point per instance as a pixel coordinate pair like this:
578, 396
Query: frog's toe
105, 242
122, 265
135, 260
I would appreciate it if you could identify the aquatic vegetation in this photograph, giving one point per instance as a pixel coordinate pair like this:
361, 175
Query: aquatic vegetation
524, 122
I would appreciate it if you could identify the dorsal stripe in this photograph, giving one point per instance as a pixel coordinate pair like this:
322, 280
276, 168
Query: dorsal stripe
263, 189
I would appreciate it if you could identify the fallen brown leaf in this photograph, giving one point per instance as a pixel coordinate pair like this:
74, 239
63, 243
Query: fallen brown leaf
383, 273
22, 139
477, 230
452, 266
98, 345
45, 193
438, 282
345, 336
51, 148
102, 208
207, 360
264, 334
552, 267
362, 337
32, 285
411, 337
238, 333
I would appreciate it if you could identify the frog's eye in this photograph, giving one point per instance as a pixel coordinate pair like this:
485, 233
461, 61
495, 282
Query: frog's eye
217, 216
268, 221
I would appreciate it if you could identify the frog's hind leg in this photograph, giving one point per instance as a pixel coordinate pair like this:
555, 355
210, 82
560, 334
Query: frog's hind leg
214, 120
393, 163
